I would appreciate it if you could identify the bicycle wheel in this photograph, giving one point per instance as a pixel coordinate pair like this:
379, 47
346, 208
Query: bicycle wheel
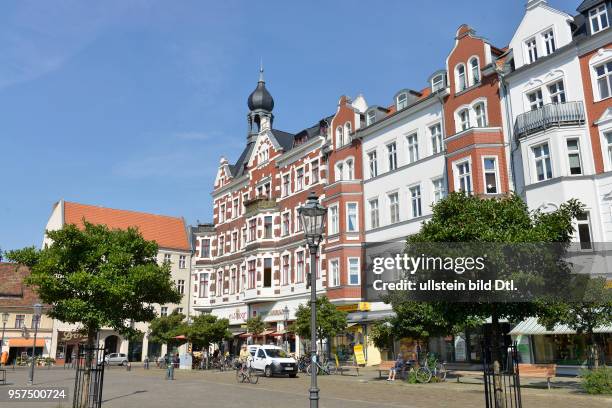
332, 369
423, 375
253, 377
308, 369
441, 372
239, 376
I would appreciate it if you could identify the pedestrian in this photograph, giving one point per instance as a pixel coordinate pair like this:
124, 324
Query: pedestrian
146, 362
169, 368
399, 366
176, 360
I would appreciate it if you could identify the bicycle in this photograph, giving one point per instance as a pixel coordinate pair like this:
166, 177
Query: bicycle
328, 368
303, 363
245, 373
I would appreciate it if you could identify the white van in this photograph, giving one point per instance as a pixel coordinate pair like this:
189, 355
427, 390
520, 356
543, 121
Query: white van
272, 360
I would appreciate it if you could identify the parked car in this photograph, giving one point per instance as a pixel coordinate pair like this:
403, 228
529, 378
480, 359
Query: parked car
273, 360
116, 359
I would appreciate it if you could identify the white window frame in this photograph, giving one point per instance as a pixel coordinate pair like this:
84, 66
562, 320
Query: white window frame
461, 80
391, 155
222, 213
348, 214
182, 261
437, 84
481, 120
370, 117
538, 102
558, 93
475, 77
348, 128
401, 101
299, 186
607, 138
286, 187
349, 270
535, 160
485, 172
436, 139
463, 124
202, 248
412, 147
416, 201
339, 136
579, 151
349, 165
586, 222
286, 224
334, 219
390, 206
315, 176
548, 39
373, 163
596, 14
458, 177
374, 212
334, 273
438, 194
607, 76
531, 50
285, 273
339, 171
299, 273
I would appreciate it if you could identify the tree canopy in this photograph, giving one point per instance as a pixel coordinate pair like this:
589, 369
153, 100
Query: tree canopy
330, 320
98, 277
207, 329
255, 325
165, 329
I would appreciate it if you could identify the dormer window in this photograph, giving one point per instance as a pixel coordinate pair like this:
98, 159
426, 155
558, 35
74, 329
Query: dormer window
598, 17
402, 101
370, 118
461, 80
532, 50
475, 70
549, 41
437, 83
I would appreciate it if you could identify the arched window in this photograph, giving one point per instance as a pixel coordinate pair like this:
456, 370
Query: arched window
460, 78
350, 172
464, 119
402, 101
475, 70
339, 170
481, 114
347, 132
338, 136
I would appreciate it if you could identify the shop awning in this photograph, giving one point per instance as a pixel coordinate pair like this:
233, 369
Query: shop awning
267, 332
26, 342
180, 337
245, 335
530, 326
239, 334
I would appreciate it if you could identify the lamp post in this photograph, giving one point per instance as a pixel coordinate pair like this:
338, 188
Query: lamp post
35, 321
5, 317
286, 316
312, 215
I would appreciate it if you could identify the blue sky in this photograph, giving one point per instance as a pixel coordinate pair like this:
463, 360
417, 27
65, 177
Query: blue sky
130, 104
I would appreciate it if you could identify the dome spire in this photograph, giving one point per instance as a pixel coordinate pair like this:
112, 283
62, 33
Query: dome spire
261, 71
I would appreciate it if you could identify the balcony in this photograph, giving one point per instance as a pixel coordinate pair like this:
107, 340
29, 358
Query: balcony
550, 115
260, 203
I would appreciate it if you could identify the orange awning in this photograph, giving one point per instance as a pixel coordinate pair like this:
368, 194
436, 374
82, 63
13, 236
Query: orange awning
26, 342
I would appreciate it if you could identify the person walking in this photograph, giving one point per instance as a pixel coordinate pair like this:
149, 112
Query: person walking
169, 367
399, 366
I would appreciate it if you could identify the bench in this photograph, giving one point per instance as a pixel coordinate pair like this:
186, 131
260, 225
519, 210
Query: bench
3, 375
344, 366
386, 366
547, 371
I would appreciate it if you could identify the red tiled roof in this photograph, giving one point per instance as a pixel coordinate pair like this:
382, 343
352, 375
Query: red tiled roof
13, 292
168, 232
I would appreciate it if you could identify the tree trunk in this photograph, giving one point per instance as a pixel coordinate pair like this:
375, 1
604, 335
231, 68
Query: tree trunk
496, 360
593, 350
86, 383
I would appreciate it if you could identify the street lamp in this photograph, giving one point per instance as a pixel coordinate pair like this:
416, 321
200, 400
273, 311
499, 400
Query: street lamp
5, 317
286, 316
35, 321
312, 215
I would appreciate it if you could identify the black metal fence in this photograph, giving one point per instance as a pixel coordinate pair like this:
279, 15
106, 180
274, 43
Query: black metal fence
502, 389
89, 378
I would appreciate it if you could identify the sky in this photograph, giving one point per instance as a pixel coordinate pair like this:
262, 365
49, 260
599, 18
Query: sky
131, 104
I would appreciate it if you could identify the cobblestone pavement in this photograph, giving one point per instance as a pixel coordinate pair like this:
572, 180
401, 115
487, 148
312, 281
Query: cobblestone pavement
142, 388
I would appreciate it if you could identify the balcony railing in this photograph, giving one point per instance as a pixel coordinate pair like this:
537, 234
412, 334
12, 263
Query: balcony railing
259, 204
553, 114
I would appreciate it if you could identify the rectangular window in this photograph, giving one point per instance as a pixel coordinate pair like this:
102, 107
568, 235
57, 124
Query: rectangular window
203, 285
268, 227
374, 218
267, 273
19, 321
584, 230
549, 42
437, 83
267, 190
180, 286
604, 79
286, 222
351, 217
164, 311
221, 243
402, 101
436, 138
334, 224
244, 237
353, 265
532, 50
299, 272
438, 189
285, 275
233, 281
415, 201
573, 155
314, 172
394, 208
252, 230
542, 163
298, 222
392, 153
334, 273
235, 207
234, 242
608, 136
286, 185
222, 213
299, 179
557, 92
535, 99
599, 18
252, 266
167, 258
205, 248
370, 118
413, 148
464, 176
182, 261
373, 164
490, 175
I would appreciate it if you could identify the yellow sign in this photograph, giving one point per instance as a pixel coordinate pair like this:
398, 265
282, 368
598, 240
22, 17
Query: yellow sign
609, 284
359, 356
355, 307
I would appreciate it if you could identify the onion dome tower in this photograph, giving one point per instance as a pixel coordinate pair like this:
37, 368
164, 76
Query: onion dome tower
260, 104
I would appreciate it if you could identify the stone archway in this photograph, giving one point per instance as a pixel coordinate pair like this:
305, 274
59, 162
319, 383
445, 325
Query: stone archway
111, 344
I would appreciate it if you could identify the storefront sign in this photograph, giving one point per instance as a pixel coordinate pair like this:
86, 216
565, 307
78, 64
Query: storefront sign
355, 307
235, 315
359, 356
71, 337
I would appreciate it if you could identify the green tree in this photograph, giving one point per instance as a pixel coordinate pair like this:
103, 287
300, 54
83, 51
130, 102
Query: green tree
165, 329
255, 325
97, 277
206, 329
330, 320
